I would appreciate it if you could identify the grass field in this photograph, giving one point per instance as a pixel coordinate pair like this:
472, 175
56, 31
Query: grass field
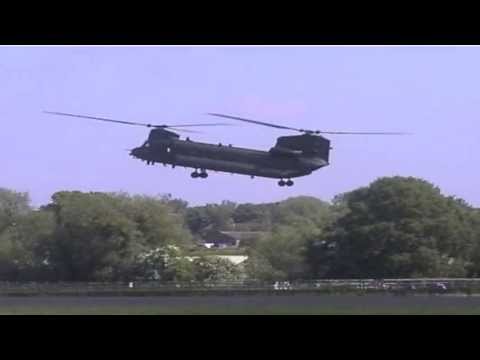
243, 305
154, 310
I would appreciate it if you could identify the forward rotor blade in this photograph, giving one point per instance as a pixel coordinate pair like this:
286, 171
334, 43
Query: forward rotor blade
135, 123
255, 122
100, 119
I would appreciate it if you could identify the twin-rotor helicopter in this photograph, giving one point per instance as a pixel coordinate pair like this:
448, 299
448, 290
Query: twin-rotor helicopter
291, 156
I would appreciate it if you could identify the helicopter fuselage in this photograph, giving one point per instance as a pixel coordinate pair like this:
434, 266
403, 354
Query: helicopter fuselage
280, 162
292, 156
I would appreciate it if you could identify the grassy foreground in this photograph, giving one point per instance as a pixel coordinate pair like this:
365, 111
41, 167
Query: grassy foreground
233, 310
229, 311
243, 305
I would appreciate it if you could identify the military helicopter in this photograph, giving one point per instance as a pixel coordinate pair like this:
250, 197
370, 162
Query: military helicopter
291, 157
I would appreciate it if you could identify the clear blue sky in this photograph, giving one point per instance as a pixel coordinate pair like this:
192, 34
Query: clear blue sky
430, 91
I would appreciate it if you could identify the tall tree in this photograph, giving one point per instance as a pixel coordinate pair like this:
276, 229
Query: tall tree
98, 236
23, 232
283, 253
12, 205
301, 212
280, 255
399, 227
253, 216
216, 216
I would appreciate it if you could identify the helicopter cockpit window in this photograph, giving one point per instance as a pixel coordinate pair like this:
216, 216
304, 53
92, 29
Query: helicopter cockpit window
146, 144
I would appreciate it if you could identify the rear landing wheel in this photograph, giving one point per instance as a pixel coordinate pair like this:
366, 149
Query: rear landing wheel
195, 174
289, 182
281, 183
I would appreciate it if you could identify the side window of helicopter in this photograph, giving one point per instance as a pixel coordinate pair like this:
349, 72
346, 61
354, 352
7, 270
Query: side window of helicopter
146, 144
168, 149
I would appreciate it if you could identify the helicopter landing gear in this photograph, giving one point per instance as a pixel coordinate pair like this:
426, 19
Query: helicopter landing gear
287, 183
202, 174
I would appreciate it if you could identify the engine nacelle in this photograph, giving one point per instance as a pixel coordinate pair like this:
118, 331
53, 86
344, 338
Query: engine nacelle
308, 145
278, 150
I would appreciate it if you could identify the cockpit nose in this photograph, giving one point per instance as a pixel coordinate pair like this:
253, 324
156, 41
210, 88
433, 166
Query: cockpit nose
136, 152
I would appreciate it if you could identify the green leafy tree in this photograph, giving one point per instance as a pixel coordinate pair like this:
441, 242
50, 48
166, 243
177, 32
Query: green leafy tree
398, 227
259, 268
177, 206
23, 232
166, 263
197, 219
250, 212
214, 269
181, 269
99, 236
12, 205
221, 215
282, 254
216, 216
474, 265
252, 217
301, 212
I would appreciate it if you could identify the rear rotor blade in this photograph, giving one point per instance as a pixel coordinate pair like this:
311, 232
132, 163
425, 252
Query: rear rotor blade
255, 122
362, 133
308, 131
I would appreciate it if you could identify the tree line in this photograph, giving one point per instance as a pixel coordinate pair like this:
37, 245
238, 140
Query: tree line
394, 227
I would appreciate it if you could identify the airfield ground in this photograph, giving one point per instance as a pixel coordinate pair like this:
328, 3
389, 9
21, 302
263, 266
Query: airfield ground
301, 304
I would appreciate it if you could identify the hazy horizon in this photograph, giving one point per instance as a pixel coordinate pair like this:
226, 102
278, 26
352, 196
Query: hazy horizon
431, 92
